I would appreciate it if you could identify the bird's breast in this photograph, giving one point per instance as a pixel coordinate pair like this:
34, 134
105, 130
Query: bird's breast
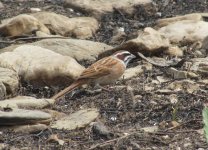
116, 72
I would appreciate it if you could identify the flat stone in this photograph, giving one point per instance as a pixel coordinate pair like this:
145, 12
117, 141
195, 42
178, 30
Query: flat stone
26, 102
22, 116
76, 120
29, 128
100, 7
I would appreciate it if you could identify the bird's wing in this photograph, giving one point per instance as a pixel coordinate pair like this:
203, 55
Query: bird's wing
100, 68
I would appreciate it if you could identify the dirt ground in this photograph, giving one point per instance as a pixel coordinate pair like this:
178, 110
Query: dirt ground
119, 111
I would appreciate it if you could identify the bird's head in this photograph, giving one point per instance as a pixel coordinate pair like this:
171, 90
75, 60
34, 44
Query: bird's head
124, 56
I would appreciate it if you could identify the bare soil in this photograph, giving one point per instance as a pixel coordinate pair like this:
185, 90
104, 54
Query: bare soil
123, 112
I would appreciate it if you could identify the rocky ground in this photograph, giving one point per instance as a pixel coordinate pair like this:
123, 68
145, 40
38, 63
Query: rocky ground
153, 109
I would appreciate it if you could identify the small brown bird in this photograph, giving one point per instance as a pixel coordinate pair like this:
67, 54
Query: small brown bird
103, 72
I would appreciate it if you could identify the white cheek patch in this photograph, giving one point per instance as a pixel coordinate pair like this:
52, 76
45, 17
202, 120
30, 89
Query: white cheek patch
123, 53
127, 59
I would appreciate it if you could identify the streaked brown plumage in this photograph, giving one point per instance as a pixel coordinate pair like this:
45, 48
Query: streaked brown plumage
102, 72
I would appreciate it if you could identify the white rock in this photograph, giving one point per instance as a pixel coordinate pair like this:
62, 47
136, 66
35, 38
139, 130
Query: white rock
185, 31
41, 66
80, 27
76, 120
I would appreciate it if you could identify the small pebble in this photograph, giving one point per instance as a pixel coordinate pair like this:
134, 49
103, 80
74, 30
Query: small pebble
121, 29
71, 10
101, 130
159, 14
113, 118
1, 5
33, 10
187, 145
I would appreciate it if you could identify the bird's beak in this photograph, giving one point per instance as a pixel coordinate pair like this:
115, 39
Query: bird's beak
133, 56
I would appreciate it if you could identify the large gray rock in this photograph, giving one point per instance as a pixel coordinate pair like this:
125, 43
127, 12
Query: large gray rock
21, 25
185, 31
81, 50
100, 7
79, 27
41, 66
166, 21
22, 116
148, 41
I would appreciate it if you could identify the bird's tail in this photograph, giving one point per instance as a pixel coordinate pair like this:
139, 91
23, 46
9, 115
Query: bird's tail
68, 89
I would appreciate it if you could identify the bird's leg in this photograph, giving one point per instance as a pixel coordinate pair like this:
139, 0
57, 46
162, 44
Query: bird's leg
98, 89
103, 88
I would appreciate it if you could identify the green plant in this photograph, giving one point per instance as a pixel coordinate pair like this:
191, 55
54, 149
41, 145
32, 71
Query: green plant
205, 120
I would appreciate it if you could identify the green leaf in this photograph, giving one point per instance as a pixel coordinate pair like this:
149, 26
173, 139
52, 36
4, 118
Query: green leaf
205, 120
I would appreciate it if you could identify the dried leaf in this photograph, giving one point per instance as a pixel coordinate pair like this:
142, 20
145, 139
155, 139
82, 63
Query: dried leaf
54, 138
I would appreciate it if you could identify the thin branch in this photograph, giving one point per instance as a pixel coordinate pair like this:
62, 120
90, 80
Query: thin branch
33, 38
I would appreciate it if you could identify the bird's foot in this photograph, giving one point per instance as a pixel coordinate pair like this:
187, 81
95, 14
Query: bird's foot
107, 88
98, 89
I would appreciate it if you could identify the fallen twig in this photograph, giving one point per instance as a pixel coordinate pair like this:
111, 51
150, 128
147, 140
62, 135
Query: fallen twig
182, 124
168, 63
33, 38
108, 142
